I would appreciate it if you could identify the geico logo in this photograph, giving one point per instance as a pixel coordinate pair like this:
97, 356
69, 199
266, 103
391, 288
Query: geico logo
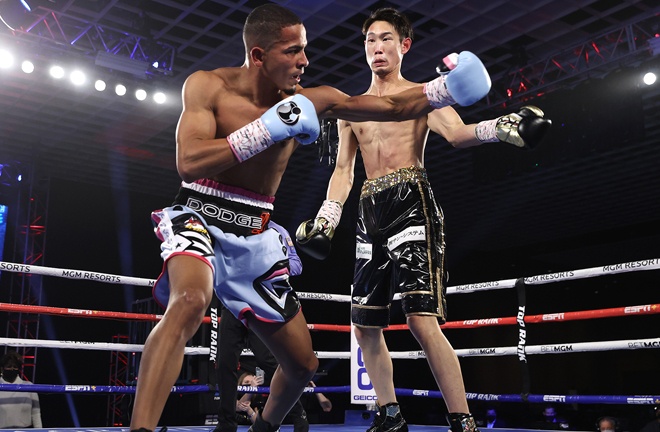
223, 215
365, 397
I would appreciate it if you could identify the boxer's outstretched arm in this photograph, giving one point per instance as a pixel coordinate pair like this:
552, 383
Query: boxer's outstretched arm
466, 83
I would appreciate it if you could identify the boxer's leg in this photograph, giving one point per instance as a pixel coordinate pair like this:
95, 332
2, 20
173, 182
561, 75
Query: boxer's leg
291, 344
191, 289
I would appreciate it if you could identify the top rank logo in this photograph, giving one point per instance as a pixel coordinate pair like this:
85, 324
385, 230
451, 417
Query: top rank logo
289, 113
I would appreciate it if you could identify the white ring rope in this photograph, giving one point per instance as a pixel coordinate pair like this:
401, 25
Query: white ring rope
648, 264
630, 344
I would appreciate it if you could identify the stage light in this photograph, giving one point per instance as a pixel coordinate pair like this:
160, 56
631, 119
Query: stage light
26, 5
120, 89
27, 66
13, 13
56, 72
99, 85
159, 97
6, 59
140, 95
77, 77
649, 78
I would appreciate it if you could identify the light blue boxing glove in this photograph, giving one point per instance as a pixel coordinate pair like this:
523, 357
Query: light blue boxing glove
293, 117
464, 81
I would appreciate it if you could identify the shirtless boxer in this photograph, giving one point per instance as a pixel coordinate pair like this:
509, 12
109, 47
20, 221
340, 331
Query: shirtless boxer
234, 139
400, 238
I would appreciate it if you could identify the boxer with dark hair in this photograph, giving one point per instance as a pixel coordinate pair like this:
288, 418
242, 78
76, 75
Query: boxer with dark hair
237, 131
400, 232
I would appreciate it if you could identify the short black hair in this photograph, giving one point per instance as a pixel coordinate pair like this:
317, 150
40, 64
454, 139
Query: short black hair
265, 23
11, 359
399, 21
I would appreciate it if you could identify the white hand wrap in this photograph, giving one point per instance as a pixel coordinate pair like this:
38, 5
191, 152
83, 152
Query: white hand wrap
437, 94
249, 140
331, 211
486, 131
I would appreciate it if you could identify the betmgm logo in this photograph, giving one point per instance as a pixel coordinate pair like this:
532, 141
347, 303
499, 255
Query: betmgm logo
289, 113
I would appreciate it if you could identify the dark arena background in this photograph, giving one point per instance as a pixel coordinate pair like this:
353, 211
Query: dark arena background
81, 169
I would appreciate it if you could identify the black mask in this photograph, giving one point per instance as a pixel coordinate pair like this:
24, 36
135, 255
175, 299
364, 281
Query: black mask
10, 375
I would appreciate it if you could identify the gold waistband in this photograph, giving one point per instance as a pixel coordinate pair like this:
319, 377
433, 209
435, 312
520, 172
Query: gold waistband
411, 174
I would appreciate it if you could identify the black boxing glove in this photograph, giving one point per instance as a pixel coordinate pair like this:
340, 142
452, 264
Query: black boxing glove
314, 236
526, 128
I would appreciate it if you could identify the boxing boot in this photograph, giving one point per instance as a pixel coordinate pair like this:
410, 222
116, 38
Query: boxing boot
261, 425
461, 422
388, 419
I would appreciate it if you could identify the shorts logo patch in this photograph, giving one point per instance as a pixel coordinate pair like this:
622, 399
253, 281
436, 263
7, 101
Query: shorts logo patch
194, 224
363, 251
275, 286
410, 234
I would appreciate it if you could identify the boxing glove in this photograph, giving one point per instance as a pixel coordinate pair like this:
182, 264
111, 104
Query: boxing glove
293, 117
464, 81
314, 236
526, 128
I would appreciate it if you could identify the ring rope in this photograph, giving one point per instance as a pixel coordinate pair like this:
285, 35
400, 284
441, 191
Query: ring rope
538, 398
647, 309
650, 264
632, 266
628, 344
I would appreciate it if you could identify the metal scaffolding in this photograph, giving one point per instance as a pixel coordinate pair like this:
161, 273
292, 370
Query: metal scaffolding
78, 35
29, 248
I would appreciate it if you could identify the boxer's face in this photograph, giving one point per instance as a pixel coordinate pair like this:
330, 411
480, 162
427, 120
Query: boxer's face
284, 61
384, 48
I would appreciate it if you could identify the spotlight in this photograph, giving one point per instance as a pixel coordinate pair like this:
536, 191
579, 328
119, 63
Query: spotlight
56, 72
99, 85
140, 95
27, 66
6, 59
649, 78
77, 77
120, 89
159, 97
14, 13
